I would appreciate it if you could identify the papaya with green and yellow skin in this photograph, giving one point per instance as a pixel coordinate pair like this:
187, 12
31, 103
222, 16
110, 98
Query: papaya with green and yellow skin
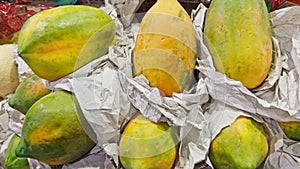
11, 160
145, 144
242, 145
51, 131
291, 129
57, 41
27, 93
238, 36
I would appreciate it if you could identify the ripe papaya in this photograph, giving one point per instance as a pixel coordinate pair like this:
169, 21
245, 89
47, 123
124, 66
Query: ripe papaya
242, 145
57, 41
51, 131
238, 36
27, 93
291, 129
145, 144
11, 160
8, 70
165, 48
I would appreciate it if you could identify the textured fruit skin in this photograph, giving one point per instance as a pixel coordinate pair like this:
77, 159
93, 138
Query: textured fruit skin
8, 70
11, 160
145, 144
27, 93
238, 36
243, 145
165, 49
57, 41
52, 133
291, 129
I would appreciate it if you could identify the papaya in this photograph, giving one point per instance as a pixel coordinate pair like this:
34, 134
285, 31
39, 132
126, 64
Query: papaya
9, 76
57, 41
242, 145
27, 93
145, 144
165, 48
291, 129
52, 133
11, 160
238, 36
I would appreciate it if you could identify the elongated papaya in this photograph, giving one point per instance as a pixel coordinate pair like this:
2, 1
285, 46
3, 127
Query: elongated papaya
27, 93
57, 41
291, 129
165, 49
238, 36
52, 133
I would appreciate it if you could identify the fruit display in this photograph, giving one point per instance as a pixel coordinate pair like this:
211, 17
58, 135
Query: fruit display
215, 86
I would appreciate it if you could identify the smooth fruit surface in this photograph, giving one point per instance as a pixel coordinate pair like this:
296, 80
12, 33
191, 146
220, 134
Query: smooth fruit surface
242, 145
291, 129
145, 144
52, 133
238, 36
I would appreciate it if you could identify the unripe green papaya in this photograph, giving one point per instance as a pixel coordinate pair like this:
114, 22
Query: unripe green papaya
11, 160
291, 129
145, 144
238, 36
242, 145
51, 131
57, 41
27, 93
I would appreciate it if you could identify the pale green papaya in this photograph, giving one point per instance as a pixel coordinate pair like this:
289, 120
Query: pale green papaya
57, 41
242, 145
27, 93
238, 36
51, 131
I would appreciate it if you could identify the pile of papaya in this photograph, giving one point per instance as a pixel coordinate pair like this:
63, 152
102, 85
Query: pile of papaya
56, 42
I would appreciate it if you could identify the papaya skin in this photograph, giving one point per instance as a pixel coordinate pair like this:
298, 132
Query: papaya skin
55, 42
238, 36
52, 133
27, 93
291, 129
166, 56
243, 145
145, 144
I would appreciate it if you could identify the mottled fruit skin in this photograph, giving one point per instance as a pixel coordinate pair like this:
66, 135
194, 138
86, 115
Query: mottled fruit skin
165, 48
145, 144
238, 36
27, 93
242, 145
52, 133
11, 160
291, 129
57, 41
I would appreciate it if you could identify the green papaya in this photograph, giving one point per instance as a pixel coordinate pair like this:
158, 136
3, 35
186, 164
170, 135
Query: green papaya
145, 144
27, 93
291, 129
57, 41
51, 131
11, 160
238, 36
242, 145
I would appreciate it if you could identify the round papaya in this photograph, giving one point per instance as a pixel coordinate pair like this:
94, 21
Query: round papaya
242, 145
57, 41
145, 144
51, 131
291, 129
27, 93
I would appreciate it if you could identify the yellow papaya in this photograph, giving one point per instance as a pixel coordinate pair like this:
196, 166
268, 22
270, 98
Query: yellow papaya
9, 76
291, 129
51, 131
27, 93
165, 48
145, 144
57, 41
242, 145
238, 36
